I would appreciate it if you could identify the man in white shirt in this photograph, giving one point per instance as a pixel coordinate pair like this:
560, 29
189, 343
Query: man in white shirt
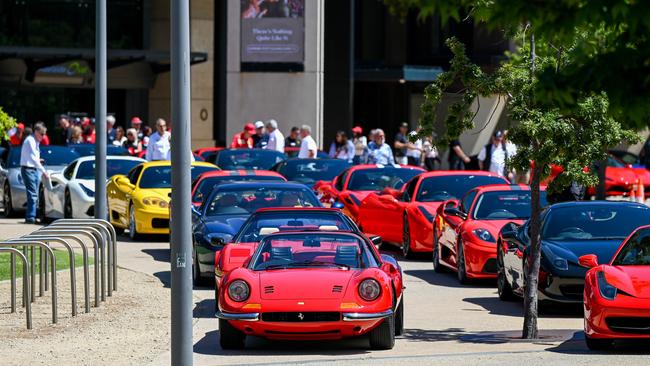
308, 147
276, 138
31, 169
159, 146
494, 155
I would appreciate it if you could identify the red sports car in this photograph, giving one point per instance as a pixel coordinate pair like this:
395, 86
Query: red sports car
202, 186
312, 285
406, 216
617, 295
353, 185
465, 231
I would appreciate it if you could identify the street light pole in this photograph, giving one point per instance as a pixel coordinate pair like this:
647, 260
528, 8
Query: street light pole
100, 110
181, 235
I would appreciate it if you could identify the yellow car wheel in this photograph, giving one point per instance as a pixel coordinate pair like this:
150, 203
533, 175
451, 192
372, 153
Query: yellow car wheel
133, 231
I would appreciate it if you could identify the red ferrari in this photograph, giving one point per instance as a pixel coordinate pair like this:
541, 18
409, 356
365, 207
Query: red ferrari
406, 216
617, 295
466, 230
353, 185
202, 186
312, 285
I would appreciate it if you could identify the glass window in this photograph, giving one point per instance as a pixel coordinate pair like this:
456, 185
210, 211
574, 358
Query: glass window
57, 155
466, 202
636, 251
262, 224
246, 200
248, 159
376, 179
161, 176
67, 173
442, 188
135, 174
206, 185
113, 167
309, 171
505, 205
341, 180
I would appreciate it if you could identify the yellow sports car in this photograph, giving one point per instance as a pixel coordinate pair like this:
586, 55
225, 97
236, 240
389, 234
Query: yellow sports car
139, 201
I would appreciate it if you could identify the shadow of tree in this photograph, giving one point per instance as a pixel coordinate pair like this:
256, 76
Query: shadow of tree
577, 346
446, 279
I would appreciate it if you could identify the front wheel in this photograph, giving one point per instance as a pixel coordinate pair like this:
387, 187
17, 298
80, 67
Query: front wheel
503, 287
230, 337
460, 264
133, 231
437, 267
399, 318
383, 336
406, 239
596, 344
8, 203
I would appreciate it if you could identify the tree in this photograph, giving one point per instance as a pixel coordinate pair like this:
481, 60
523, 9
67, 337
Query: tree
6, 122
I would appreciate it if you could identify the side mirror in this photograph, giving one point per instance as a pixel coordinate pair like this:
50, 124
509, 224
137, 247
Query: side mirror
588, 261
376, 239
509, 231
217, 241
123, 180
454, 211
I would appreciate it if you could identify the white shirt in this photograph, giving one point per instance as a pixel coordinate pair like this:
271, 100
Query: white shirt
276, 141
30, 154
308, 144
498, 160
159, 147
414, 153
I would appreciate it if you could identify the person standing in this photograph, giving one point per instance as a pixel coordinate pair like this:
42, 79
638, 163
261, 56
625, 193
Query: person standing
401, 144
414, 152
430, 153
31, 169
66, 130
110, 131
132, 144
90, 135
494, 155
342, 148
308, 147
380, 153
136, 123
158, 148
276, 138
120, 136
457, 157
16, 134
260, 138
244, 139
360, 143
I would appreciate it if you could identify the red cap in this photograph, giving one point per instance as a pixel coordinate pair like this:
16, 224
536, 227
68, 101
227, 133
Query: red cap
85, 122
357, 129
20, 125
249, 127
136, 120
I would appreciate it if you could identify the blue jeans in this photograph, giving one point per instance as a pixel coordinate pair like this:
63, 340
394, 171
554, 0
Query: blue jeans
31, 178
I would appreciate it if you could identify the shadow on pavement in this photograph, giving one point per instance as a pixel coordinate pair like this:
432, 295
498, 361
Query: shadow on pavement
446, 279
159, 255
205, 309
577, 346
429, 335
165, 278
496, 306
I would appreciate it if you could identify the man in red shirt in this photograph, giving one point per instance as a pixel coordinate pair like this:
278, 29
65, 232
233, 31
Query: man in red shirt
244, 139
16, 134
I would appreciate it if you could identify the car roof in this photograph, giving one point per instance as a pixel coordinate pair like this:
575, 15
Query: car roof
312, 231
381, 166
443, 173
505, 187
109, 157
169, 163
597, 203
239, 172
298, 209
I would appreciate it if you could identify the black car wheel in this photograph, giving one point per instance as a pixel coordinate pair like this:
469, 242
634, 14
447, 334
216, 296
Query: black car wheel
399, 318
437, 267
67, 206
596, 344
406, 239
230, 337
383, 336
503, 287
460, 264
133, 231
8, 203
196, 272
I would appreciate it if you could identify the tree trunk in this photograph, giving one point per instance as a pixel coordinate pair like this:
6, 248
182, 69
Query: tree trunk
600, 188
532, 259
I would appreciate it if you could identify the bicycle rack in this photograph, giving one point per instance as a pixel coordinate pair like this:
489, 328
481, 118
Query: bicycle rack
32, 244
26, 284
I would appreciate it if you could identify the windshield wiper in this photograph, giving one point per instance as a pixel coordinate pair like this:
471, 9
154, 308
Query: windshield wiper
277, 266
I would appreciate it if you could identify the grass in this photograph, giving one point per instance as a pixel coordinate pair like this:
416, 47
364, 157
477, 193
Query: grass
62, 262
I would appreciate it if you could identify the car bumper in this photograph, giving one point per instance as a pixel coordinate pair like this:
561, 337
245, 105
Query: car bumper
84, 208
566, 290
624, 318
149, 221
480, 259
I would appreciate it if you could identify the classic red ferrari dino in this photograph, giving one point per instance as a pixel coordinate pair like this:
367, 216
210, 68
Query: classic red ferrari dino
406, 217
312, 285
617, 295
465, 231
351, 186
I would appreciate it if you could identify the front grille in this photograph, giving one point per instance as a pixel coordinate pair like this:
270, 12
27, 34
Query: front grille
269, 289
573, 291
635, 325
160, 223
335, 331
337, 288
490, 266
298, 317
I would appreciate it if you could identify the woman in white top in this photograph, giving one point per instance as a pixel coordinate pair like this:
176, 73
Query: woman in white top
120, 137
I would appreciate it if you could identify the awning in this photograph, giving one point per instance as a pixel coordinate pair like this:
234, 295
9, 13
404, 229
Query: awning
402, 74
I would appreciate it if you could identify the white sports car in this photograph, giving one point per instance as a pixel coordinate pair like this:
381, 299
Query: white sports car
71, 193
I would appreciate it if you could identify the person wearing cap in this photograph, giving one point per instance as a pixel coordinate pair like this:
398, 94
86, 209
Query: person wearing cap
308, 146
494, 155
89, 135
159, 146
136, 123
260, 138
276, 138
16, 134
110, 131
244, 139
360, 146
402, 144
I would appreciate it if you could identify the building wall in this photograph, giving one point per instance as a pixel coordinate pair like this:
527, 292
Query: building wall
201, 39
292, 98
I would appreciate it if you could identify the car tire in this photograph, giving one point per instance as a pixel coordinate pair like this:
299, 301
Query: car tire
8, 203
197, 279
503, 287
406, 239
461, 266
399, 318
67, 206
133, 231
230, 337
383, 336
40, 211
596, 344
437, 266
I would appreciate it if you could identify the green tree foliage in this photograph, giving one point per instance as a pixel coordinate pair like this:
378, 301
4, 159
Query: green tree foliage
6, 123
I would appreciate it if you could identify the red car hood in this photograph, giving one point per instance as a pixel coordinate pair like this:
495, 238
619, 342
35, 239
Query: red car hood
297, 284
621, 175
360, 194
634, 280
493, 226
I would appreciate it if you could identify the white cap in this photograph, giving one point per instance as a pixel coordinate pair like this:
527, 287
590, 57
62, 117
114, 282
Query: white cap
259, 124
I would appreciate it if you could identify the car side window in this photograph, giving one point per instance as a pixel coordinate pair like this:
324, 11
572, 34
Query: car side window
466, 202
341, 179
409, 191
67, 173
135, 174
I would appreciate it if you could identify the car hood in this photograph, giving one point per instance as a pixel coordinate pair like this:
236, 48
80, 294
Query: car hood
227, 224
623, 175
634, 280
572, 250
493, 226
307, 284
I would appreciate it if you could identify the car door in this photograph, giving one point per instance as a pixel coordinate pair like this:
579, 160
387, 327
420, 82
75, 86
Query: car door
452, 221
121, 194
55, 191
513, 257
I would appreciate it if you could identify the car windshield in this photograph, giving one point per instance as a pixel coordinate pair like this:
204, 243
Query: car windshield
206, 185
636, 251
308, 171
263, 224
376, 179
161, 176
89, 149
312, 250
86, 169
505, 205
442, 188
248, 159
615, 162
246, 200
593, 222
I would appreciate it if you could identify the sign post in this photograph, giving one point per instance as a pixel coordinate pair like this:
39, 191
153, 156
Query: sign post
101, 211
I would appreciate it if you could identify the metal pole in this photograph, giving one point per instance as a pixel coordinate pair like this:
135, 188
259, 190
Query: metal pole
181, 236
13, 282
26, 290
100, 110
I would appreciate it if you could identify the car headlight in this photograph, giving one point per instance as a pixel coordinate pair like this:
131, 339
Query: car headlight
561, 263
607, 291
369, 289
89, 192
427, 215
155, 201
484, 235
238, 290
